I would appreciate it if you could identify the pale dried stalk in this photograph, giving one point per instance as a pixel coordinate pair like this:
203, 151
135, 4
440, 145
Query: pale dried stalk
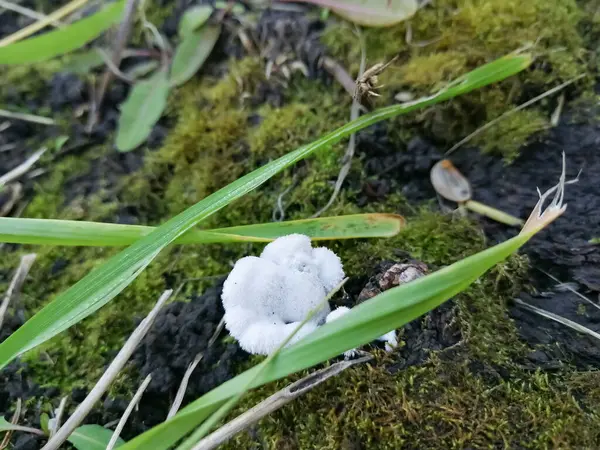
183, 386
13, 420
188, 373
273, 403
107, 378
27, 117
16, 283
560, 319
132, 404
512, 111
59, 413
47, 20
26, 12
22, 168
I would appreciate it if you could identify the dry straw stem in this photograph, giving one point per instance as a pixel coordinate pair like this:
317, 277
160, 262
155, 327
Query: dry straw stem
560, 319
354, 113
108, 377
274, 402
21, 169
132, 404
26, 12
59, 414
491, 123
16, 283
14, 420
188, 373
569, 288
42, 23
27, 117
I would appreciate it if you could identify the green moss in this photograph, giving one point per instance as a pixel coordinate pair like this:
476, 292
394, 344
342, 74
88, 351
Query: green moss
455, 36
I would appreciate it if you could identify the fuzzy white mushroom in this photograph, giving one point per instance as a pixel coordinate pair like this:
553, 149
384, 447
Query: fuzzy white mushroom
266, 298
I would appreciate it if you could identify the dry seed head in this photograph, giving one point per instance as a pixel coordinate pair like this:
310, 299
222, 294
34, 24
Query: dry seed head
539, 217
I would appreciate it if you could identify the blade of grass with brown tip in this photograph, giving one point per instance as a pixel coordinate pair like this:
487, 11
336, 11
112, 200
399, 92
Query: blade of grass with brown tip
80, 233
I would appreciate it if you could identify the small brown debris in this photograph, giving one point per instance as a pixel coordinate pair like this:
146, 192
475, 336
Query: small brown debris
392, 274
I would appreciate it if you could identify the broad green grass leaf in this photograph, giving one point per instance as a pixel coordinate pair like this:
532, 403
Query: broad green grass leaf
192, 52
92, 437
371, 13
142, 109
105, 282
63, 40
361, 325
73, 232
194, 18
83, 62
5, 425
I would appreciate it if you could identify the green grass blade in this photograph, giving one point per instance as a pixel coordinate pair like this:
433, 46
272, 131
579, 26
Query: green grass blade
361, 325
79, 233
64, 40
105, 282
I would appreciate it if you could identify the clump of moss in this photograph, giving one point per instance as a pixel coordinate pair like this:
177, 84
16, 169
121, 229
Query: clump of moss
455, 36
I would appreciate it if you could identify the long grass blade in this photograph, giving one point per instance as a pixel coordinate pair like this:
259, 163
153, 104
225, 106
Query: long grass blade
75, 233
105, 282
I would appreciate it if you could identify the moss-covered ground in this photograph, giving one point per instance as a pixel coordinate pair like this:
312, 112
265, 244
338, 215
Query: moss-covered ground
482, 397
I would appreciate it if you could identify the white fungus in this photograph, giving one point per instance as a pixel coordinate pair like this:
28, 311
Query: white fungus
266, 298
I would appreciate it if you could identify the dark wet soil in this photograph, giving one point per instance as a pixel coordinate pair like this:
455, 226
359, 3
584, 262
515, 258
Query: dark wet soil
563, 250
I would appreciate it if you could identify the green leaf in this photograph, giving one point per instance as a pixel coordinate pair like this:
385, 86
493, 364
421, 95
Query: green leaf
83, 62
72, 232
371, 13
5, 425
105, 282
142, 109
361, 325
92, 437
194, 18
192, 52
63, 40
44, 419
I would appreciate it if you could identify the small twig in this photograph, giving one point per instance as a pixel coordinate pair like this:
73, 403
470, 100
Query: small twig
14, 420
59, 413
22, 168
354, 113
491, 123
111, 66
569, 288
340, 74
42, 23
274, 402
560, 319
188, 373
117, 56
16, 283
107, 377
27, 12
27, 117
279, 210
5, 125
183, 385
132, 404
